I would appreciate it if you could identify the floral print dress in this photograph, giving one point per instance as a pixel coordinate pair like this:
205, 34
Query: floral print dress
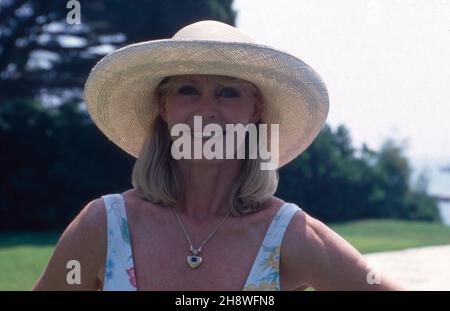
265, 273
119, 268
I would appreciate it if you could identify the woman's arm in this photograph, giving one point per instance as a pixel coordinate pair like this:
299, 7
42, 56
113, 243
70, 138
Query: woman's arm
331, 263
84, 241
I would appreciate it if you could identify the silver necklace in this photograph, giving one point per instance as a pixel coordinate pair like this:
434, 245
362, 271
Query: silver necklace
195, 260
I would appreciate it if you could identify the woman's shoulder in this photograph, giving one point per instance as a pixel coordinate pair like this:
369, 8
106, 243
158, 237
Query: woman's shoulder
93, 215
135, 197
94, 212
301, 243
271, 205
136, 202
306, 235
326, 261
82, 242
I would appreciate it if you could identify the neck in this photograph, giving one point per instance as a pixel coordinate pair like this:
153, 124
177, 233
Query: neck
208, 187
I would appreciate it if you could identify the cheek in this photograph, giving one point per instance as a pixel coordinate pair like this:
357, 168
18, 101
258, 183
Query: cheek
175, 113
239, 114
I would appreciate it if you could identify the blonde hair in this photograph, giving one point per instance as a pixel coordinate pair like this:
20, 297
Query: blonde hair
156, 175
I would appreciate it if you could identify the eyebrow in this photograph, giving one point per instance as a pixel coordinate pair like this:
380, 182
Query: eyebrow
230, 83
187, 80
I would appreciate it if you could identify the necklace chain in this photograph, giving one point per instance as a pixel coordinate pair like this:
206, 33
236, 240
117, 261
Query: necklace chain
199, 249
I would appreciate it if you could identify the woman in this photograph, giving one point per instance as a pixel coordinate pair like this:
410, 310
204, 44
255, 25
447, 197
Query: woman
196, 223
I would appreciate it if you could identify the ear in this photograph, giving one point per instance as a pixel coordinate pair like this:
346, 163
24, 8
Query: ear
257, 110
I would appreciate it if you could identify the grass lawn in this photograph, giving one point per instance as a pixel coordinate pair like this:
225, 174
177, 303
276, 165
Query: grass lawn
23, 256
370, 236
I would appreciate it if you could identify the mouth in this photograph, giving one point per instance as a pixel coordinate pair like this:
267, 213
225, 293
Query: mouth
208, 135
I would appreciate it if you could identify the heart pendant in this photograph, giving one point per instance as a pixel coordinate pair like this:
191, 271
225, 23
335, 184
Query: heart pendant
194, 261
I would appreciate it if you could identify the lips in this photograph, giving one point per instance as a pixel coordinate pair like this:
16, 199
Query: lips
208, 135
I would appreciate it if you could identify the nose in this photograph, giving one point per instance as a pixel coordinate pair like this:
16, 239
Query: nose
207, 106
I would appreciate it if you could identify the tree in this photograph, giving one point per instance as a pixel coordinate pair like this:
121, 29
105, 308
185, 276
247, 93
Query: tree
333, 184
53, 159
42, 54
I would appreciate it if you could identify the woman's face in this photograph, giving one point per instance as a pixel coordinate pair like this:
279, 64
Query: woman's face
216, 99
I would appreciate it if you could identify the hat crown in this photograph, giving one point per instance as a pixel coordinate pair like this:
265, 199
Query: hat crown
213, 31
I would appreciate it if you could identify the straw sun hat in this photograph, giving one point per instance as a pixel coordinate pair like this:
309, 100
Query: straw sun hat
119, 88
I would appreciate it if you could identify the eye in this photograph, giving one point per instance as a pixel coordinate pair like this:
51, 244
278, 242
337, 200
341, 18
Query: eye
187, 90
229, 92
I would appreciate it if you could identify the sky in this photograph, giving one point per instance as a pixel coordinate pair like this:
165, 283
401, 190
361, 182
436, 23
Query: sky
386, 64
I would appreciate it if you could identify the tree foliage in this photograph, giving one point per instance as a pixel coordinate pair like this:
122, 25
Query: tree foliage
41, 53
333, 183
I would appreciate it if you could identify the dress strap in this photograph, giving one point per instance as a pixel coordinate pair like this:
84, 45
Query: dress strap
265, 273
119, 267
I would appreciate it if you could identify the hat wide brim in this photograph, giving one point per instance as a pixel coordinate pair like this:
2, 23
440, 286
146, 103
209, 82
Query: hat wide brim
119, 90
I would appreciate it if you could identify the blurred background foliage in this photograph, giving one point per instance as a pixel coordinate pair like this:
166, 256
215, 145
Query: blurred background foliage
53, 160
